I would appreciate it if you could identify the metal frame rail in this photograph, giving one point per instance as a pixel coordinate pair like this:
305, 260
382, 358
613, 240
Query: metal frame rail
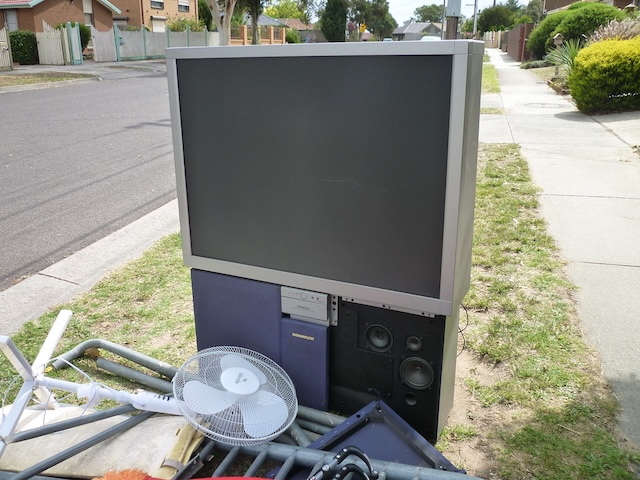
291, 452
292, 457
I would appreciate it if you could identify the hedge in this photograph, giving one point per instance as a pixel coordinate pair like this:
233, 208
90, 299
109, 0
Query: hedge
24, 47
536, 42
581, 18
606, 76
584, 19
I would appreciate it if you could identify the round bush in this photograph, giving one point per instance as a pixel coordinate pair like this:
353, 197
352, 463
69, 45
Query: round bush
24, 47
292, 36
539, 35
584, 19
606, 76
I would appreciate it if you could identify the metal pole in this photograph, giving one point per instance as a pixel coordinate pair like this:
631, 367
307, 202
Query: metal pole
134, 375
82, 446
475, 18
139, 358
66, 424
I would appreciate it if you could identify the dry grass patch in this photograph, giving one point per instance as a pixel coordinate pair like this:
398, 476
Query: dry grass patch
18, 79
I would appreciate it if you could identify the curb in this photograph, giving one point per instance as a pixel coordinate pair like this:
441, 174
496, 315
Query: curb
79, 272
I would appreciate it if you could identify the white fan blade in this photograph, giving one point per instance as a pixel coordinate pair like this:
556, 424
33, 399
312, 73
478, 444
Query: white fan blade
231, 360
206, 400
264, 414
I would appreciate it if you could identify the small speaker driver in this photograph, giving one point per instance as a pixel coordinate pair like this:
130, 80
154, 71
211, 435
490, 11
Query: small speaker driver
414, 343
379, 338
416, 373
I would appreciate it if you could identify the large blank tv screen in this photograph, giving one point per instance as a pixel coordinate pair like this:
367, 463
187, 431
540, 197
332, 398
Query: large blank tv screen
324, 172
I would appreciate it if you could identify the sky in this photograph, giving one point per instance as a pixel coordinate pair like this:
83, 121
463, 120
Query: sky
402, 10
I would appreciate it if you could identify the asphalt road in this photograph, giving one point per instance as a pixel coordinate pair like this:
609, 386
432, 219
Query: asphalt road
78, 162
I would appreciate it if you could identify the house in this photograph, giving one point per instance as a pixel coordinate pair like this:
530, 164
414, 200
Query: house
413, 30
32, 14
263, 21
153, 14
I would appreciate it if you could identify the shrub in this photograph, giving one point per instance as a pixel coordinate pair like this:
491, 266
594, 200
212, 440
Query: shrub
184, 24
617, 29
204, 14
539, 35
536, 64
606, 76
565, 56
292, 36
583, 19
24, 47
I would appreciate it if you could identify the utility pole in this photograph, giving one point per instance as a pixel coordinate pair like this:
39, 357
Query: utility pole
454, 8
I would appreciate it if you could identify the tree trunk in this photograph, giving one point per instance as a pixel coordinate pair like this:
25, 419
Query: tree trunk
223, 23
255, 34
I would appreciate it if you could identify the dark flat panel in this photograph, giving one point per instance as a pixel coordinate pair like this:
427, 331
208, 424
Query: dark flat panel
354, 192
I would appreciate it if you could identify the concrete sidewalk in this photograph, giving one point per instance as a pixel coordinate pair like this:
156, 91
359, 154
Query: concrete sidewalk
589, 171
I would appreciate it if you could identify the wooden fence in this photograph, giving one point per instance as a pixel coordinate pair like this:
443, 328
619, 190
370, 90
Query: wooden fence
6, 63
268, 35
493, 39
103, 45
60, 46
140, 44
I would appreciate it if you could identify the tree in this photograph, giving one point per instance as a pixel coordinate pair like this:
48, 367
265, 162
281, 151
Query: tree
286, 9
513, 6
254, 7
222, 12
499, 17
428, 13
534, 10
333, 20
467, 26
381, 24
204, 14
375, 15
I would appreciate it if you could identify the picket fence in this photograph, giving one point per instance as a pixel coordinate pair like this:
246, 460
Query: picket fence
493, 39
117, 45
6, 63
60, 46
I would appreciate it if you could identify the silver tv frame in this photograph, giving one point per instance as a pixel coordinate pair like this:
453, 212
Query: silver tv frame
464, 115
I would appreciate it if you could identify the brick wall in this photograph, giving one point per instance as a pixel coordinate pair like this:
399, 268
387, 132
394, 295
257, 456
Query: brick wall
25, 20
55, 12
102, 17
516, 42
130, 10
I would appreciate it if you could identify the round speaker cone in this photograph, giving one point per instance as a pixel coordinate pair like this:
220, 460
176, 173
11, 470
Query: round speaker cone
417, 373
378, 338
411, 399
414, 343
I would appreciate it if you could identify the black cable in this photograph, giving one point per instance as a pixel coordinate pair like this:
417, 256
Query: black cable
351, 450
351, 468
461, 331
466, 311
339, 458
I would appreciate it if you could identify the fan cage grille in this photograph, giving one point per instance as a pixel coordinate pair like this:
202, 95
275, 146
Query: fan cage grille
227, 426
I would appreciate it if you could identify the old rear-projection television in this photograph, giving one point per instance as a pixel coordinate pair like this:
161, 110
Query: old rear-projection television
343, 168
